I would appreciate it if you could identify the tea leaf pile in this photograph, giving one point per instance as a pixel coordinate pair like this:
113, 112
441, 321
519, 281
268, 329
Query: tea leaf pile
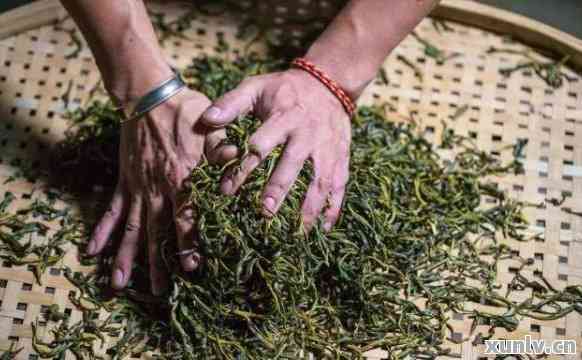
419, 238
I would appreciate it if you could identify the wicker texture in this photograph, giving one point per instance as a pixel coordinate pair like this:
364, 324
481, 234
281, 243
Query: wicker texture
35, 74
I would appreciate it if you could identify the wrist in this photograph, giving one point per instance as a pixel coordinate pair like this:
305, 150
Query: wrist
130, 82
324, 80
124, 44
132, 65
351, 73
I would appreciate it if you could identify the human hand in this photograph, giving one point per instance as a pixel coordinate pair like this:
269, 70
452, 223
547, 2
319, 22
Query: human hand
157, 154
300, 112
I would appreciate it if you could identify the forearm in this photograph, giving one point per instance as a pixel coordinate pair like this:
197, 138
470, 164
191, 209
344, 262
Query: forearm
354, 46
123, 43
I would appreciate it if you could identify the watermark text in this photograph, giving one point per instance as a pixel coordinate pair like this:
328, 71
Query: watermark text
530, 346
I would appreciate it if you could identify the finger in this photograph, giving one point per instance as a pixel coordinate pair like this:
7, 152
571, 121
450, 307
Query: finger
263, 141
216, 151
316, 196
108, 223
186, 233
129, 247
338, 189
233, 104
158, 274
283, 177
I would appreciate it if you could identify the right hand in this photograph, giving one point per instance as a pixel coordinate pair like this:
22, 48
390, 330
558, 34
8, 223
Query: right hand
157, 155
299, 111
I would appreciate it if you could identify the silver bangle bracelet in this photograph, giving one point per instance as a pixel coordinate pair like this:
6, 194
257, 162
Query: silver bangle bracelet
155, 97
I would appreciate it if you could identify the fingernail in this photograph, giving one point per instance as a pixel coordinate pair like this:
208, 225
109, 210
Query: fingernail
196, 259
91, 248
188, 264
327, 226
118, 278
213, 113
269, 205
227, 187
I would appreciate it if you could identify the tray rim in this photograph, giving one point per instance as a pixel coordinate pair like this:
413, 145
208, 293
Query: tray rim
525, 29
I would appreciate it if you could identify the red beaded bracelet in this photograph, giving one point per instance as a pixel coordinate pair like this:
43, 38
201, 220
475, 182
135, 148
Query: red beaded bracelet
334, 87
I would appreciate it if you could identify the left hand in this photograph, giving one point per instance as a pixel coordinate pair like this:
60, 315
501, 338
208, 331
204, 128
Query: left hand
300, 112
157, 155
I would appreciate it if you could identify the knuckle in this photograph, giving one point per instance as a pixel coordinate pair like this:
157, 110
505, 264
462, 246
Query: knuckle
183, 224
256, 147
215, 138
111, 212
155, 203
174, 174
184, 217
322, 183
300, 108
131, 227
278, 187
122, 263
152, 190
308, 217
173, 179
309, 211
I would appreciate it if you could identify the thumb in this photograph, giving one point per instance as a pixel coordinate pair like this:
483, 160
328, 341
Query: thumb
233, 104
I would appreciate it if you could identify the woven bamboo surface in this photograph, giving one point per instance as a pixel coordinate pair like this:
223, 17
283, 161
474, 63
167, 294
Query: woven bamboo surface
35, 73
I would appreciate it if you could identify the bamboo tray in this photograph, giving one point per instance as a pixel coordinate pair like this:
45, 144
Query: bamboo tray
35, 73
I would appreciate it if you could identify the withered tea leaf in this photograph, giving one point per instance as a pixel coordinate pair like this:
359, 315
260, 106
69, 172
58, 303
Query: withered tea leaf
413, 227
